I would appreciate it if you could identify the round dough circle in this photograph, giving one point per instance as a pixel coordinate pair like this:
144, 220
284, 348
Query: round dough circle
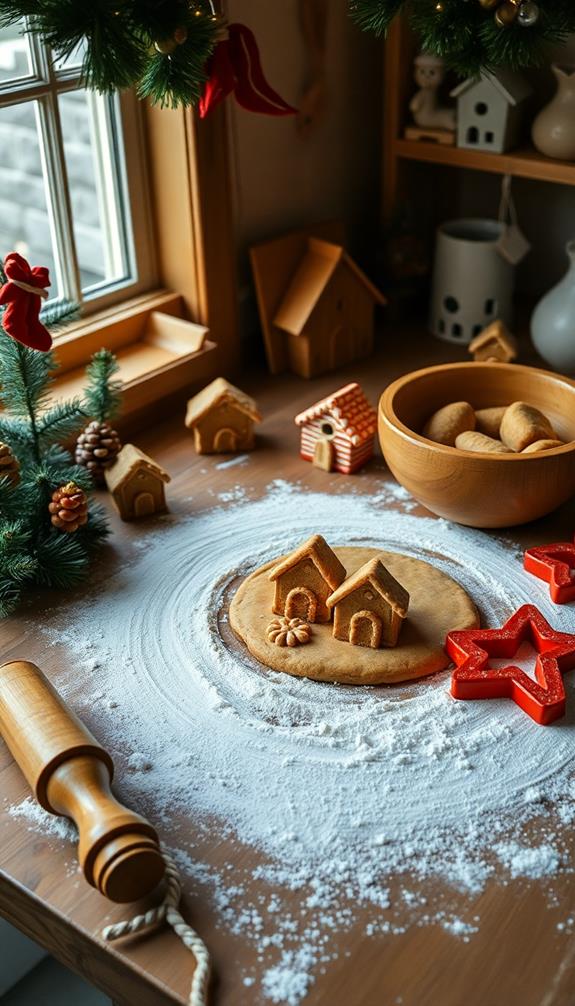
438, 605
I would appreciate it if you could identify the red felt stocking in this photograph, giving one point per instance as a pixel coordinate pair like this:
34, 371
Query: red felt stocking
22, 297
235, 65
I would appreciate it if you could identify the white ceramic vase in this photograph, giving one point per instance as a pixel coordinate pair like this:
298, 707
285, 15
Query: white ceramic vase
553, 321
553, 130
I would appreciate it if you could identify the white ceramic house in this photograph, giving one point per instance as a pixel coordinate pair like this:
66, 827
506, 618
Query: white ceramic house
490, 111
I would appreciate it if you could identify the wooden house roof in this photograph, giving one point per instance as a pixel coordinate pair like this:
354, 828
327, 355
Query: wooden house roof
317, 549
129, 461
497, 331
214, 394
510, 85
311, 278
379, 577
350, 410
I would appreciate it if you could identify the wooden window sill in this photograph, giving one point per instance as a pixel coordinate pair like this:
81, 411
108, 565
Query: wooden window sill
159, 351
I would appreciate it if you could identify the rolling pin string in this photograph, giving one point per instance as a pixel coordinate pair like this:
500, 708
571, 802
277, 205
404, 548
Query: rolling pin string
168, 912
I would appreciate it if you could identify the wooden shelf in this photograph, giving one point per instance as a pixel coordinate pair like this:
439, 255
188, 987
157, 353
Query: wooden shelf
522, 163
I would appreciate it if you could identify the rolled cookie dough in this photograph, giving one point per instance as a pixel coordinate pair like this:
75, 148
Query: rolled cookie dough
437, 606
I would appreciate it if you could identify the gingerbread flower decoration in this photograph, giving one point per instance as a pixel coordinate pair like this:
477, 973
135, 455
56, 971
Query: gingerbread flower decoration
289, 632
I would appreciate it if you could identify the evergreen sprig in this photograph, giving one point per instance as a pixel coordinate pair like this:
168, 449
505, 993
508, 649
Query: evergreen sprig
127, 43
32, 551
466, 35
103, 395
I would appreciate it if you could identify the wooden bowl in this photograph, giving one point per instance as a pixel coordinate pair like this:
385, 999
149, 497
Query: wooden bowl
481, 490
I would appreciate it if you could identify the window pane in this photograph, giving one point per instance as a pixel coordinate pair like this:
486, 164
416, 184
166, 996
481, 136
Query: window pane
25, 222
15, 60
94, 165
73, 61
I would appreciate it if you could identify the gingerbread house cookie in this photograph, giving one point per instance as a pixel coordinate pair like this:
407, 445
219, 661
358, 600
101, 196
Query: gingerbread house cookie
337, 433
137, 484
305, 579
222, 418
369, 607
494, 344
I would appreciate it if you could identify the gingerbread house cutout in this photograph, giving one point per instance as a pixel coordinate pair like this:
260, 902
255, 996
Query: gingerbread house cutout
369, 607
222, 418
137, 484
494, 344
337, 433
305, 579
316, 305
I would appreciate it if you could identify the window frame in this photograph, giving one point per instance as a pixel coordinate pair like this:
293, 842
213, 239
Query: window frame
43, 86
191, 215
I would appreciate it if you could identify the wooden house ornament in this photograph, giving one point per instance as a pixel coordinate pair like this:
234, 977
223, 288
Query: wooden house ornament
490, 111
137, 484
337, 433
494, 344
305, 579
369, 607
316, 305
222, 418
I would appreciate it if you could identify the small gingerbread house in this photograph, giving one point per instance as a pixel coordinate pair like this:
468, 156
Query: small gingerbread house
222, 418
337, 433
326, 311
369, 607
137, 484
305, 579
495, 343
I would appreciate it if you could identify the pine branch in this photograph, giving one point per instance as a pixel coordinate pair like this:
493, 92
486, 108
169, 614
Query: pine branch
10, 595
59, 314
60, 422
25, 378
62, 560
103, 394
177, 78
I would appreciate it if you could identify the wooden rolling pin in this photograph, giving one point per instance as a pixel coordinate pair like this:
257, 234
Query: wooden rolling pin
70, 774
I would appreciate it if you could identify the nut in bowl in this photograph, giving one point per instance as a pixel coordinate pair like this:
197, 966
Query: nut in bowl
480, 490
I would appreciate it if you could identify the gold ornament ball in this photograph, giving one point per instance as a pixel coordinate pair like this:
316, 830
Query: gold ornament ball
506, 14
489, 4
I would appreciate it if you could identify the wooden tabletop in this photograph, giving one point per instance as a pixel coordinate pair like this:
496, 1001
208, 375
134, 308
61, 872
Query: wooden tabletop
518, 957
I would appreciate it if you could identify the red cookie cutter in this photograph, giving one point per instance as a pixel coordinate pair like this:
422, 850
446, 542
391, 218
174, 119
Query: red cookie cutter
543, 699
556, 565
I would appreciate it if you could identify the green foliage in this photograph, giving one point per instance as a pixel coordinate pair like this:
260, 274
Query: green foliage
466, 35
103, 395
32, 552
119, 39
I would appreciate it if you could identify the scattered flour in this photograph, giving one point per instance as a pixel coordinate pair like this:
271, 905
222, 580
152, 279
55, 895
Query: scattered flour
347, 794
240, 459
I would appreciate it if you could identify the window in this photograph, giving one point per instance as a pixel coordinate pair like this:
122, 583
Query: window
72, 178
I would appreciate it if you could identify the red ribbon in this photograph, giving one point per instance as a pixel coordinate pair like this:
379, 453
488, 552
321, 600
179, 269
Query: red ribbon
235, 66
21, 317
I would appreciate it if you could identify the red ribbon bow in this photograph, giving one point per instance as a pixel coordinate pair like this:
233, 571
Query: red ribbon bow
21, 318
235, 66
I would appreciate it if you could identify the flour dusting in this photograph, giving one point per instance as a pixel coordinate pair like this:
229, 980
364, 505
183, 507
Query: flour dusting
358, 799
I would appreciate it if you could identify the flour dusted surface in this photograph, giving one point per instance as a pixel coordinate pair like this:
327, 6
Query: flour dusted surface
342, 790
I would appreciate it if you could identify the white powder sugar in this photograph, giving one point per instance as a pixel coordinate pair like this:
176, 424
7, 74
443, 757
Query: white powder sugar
346, 793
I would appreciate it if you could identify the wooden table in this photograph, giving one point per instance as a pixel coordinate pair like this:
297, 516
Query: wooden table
518, 958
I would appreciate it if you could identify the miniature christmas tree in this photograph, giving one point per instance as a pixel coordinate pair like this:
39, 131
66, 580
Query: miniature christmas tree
38, 480
98, 445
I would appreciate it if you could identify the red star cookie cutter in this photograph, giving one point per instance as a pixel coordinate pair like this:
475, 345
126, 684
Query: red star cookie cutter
543, 699
556, 565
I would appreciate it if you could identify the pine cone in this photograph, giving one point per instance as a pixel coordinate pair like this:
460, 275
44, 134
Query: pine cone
69, 507
9, 465
97, 448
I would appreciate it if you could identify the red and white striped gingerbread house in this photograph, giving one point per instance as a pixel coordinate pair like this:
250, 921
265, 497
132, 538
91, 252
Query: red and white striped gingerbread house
337, 433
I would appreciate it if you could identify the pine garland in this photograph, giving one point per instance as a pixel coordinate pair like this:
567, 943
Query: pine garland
32, 551
466, 35
160, 47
